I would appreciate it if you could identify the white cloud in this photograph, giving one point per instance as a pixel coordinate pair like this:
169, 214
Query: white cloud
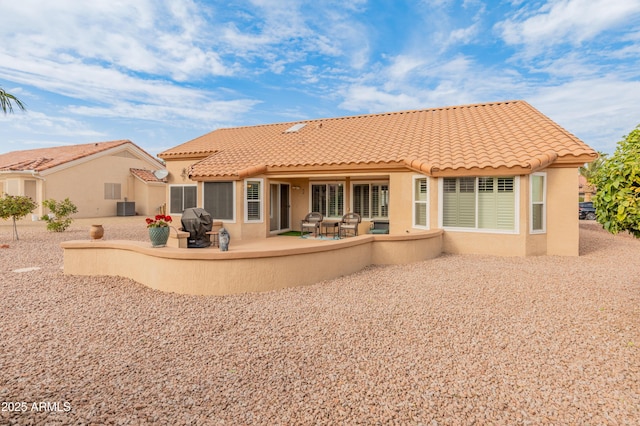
612, 108
463, 35
204, 112
372, 100
162, 39
567, 21
403, 65
33, 122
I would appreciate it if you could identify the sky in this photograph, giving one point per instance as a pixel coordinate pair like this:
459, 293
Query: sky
162, 72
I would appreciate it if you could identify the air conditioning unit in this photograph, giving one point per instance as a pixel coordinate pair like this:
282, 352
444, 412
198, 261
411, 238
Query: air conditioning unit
126, 208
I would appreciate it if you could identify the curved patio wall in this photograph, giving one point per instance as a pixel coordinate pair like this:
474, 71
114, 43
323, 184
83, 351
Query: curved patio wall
250, 269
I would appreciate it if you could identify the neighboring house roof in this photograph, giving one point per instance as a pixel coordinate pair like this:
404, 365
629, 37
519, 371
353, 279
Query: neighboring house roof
46, 158
504, 137
146, 175
584, 186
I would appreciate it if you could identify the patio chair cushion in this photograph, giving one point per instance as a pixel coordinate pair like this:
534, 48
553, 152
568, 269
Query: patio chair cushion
350, 222
311, 221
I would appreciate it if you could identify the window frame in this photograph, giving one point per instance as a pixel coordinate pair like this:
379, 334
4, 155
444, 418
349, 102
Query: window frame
415, 202
543, 230
326, 185
476, 229
259, 201
112, 191
171, 187
370, 184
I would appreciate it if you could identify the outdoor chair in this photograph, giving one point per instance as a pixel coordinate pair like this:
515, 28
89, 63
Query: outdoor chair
349, 223
216, 225
311, 221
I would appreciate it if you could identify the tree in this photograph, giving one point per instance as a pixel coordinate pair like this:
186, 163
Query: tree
589, 170
617, 201
59, 219
6, 100
16, 207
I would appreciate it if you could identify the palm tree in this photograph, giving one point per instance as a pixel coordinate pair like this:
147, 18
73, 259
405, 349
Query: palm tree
6, 100
589, 170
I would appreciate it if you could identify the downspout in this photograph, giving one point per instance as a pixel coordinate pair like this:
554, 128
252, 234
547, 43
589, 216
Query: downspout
40, 208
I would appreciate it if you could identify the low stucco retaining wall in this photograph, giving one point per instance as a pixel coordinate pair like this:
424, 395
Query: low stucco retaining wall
244, 269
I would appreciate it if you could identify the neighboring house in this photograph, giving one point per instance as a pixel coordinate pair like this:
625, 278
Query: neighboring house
95, 177
585, 189
498, 178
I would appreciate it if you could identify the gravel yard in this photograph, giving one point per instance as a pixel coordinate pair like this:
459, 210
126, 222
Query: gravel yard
454, 340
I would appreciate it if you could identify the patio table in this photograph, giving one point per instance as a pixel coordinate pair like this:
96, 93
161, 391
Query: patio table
330, 227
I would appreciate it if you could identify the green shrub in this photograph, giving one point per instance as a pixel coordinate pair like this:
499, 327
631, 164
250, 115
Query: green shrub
16, 207
617, 200
58, 220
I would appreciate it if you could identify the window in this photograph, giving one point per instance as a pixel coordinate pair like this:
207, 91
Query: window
538, 202
459, 202
253, 200
328, 199
219, 200
479, 203
371, 200
420, 202
182, 197
112, 191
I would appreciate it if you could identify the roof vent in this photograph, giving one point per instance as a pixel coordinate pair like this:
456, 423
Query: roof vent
295, 128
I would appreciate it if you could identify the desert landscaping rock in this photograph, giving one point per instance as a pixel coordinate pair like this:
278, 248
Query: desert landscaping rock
452, 341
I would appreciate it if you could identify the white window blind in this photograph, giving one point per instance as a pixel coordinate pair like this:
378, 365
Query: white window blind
361, 200
328, 199
336, 198
479, 203
371, 200
459, 201
253, 200
420, 202
538, 200
112, 191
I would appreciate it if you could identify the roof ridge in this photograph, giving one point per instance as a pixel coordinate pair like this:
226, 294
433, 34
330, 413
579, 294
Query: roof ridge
375, 114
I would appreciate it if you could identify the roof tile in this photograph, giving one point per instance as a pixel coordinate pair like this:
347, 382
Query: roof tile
483, 136
146, 175
45, 158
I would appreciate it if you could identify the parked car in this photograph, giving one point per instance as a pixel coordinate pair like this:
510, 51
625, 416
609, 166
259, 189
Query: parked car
586, 211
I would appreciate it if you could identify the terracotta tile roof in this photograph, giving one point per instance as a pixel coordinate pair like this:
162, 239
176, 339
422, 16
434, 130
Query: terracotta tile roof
503, 137
146, 175
584, 186
45, 158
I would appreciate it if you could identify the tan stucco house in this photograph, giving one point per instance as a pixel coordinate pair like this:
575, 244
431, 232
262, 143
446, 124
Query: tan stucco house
101, 179
498, 178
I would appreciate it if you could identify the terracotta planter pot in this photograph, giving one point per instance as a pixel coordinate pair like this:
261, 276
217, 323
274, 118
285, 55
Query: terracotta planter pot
96, 232
159, 236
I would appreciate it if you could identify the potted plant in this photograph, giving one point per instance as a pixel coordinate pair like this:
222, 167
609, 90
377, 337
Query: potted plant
159, 230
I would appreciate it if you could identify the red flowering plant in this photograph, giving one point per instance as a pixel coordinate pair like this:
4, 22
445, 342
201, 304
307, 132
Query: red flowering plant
160, 221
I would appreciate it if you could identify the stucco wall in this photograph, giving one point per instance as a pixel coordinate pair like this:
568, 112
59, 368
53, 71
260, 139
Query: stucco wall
263, 268
84, 183
563, 228
561, 236
149, 197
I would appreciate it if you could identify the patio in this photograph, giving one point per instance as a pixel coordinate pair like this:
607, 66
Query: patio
251, 265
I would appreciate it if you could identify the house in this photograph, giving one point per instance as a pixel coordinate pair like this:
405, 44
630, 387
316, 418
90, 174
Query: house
585, 189
101, 179
498, 178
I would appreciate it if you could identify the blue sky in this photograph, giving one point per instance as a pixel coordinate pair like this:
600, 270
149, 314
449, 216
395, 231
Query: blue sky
161, 72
